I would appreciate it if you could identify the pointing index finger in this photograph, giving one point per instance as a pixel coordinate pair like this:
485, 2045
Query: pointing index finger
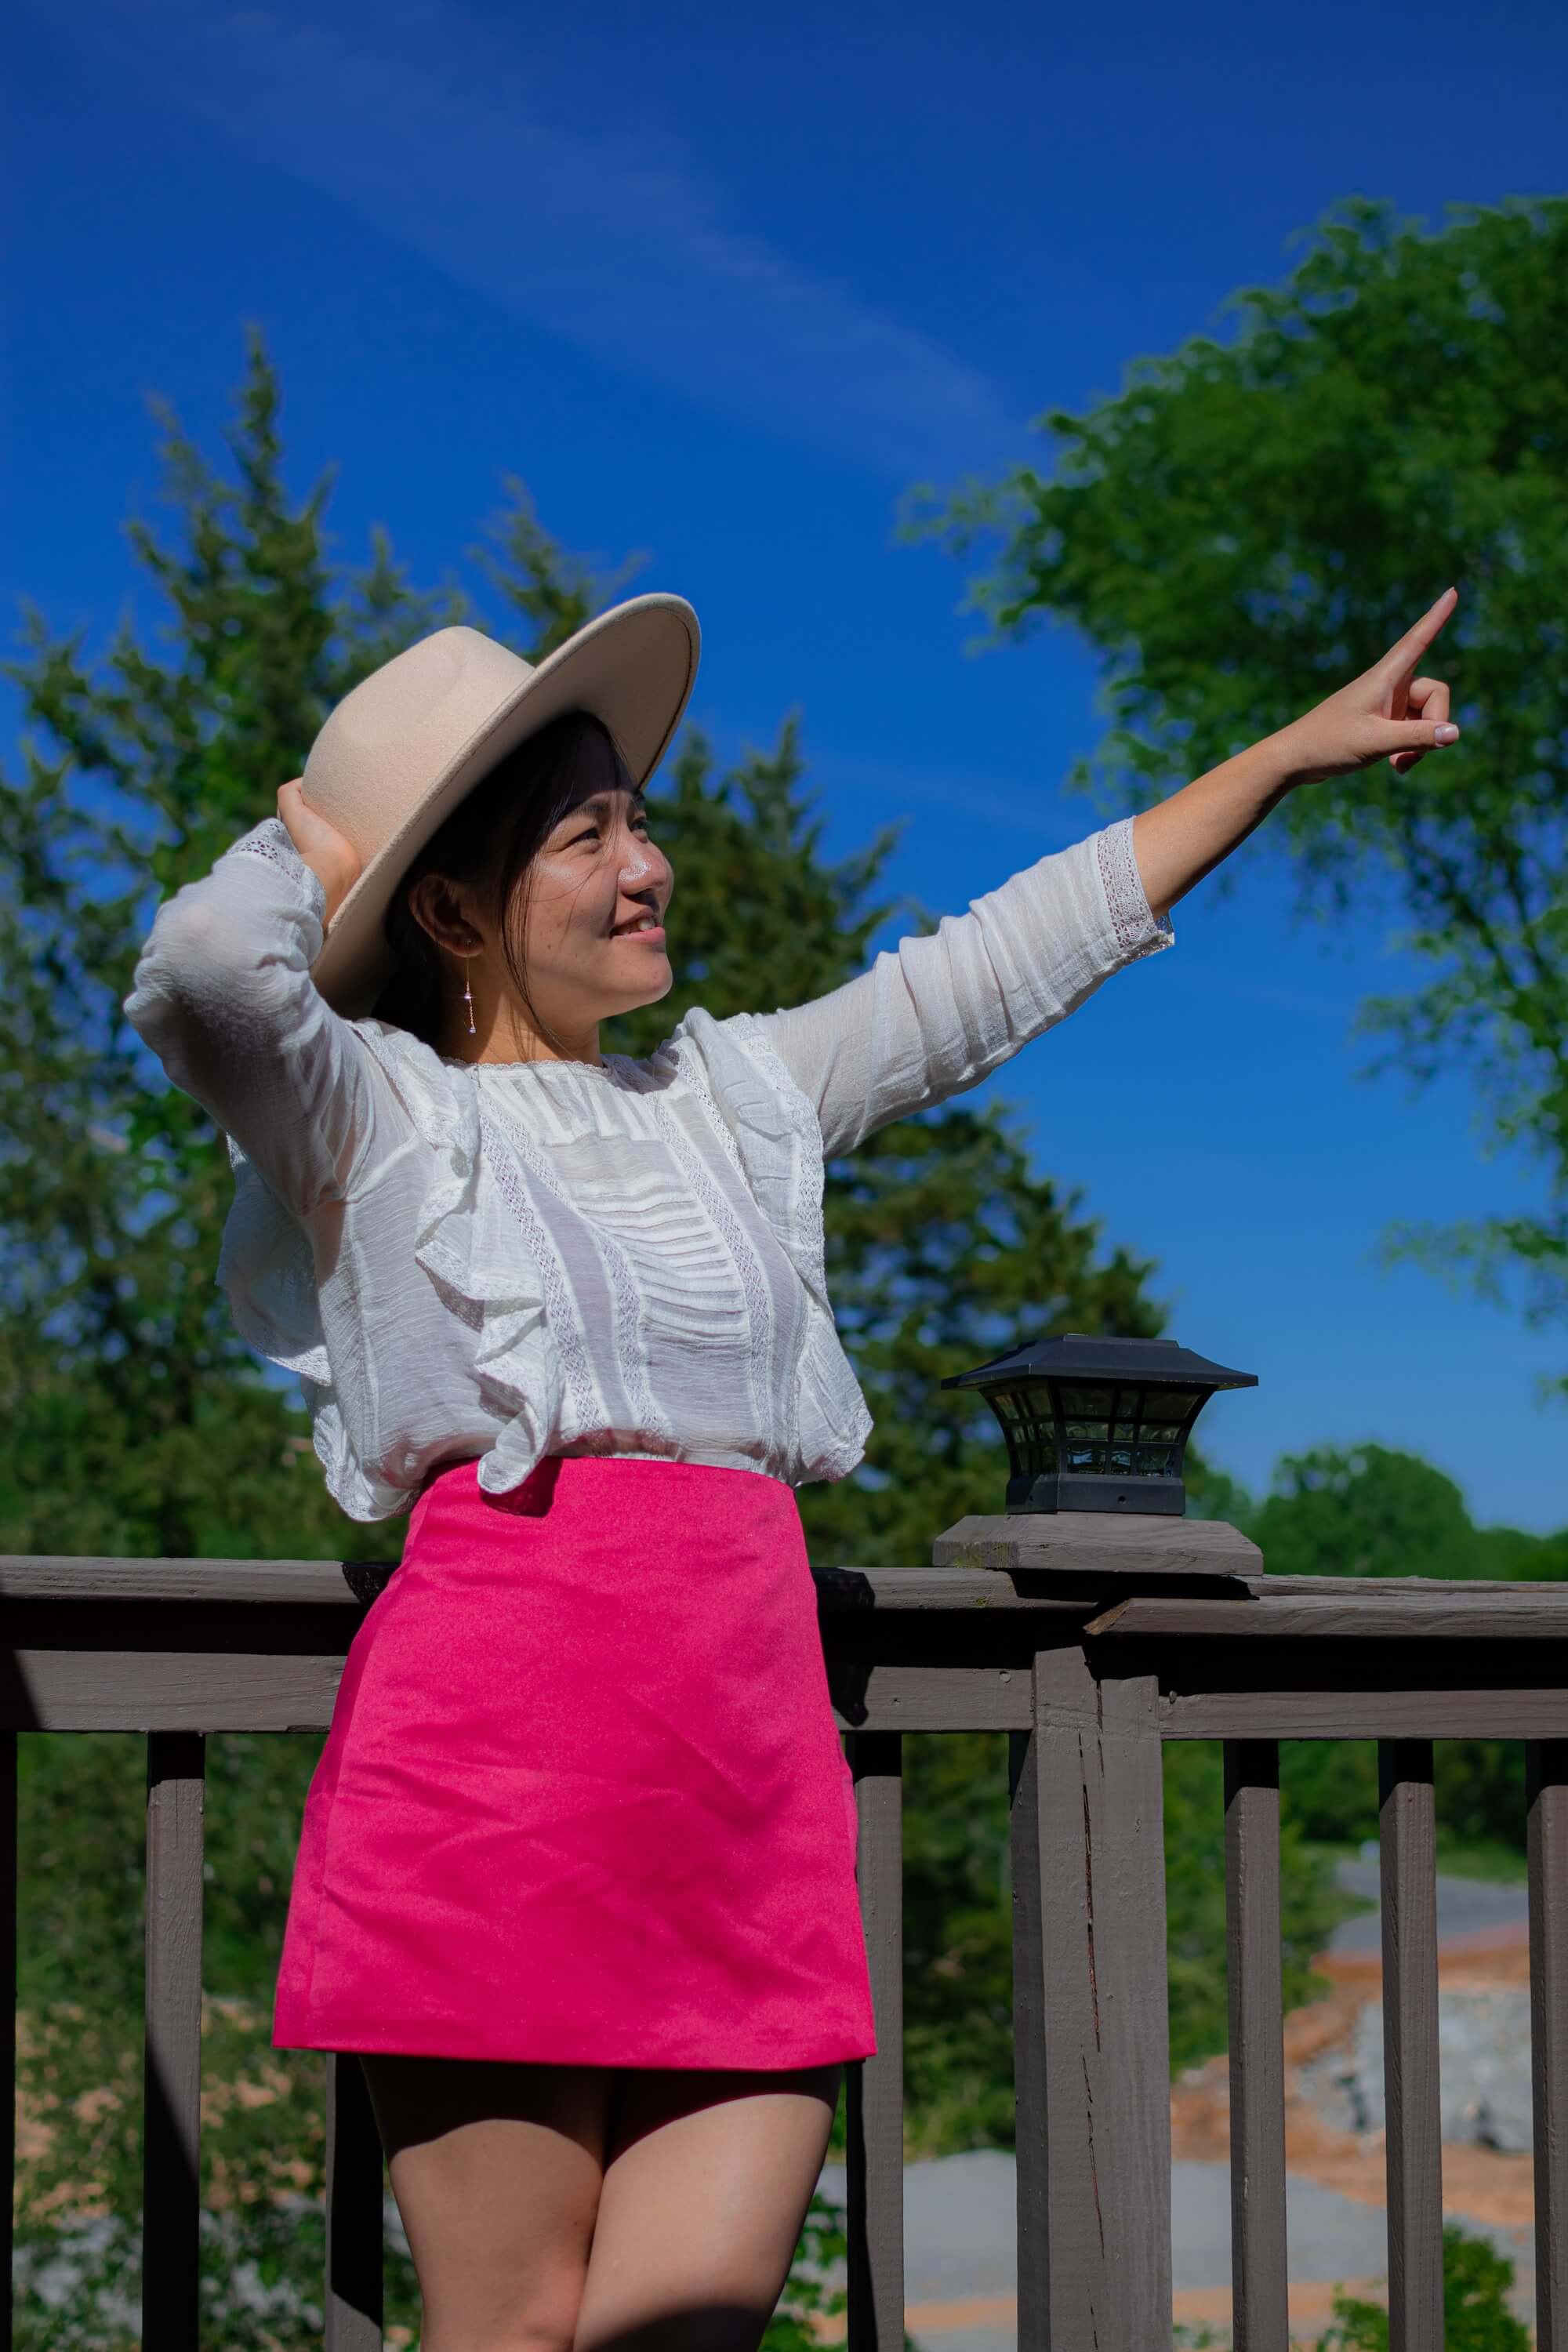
1414, 642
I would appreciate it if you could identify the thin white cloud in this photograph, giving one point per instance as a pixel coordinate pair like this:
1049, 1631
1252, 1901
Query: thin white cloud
432, 126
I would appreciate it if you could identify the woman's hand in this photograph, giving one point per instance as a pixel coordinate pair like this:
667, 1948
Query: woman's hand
330, 855
1389, 712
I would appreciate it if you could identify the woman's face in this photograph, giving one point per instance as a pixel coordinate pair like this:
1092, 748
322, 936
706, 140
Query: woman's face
588, 917
594, 902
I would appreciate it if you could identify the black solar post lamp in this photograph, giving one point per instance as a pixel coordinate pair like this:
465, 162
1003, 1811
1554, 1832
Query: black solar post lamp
1098, 1425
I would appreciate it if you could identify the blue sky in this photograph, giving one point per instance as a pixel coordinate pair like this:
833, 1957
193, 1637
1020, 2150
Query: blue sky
719, 284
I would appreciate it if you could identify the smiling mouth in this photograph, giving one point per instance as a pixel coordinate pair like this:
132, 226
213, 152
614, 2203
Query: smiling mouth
643, 922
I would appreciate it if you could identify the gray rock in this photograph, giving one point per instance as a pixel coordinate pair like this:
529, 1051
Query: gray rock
1483, 2064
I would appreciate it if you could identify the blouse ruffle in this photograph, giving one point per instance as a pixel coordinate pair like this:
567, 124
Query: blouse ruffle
469, 1245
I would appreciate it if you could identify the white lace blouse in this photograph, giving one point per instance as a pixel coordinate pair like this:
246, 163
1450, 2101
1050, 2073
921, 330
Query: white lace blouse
503, 1261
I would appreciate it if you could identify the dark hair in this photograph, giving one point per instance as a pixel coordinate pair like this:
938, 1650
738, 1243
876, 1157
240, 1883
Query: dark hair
489, 842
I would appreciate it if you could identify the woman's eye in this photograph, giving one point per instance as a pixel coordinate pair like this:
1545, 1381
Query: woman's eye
640, 823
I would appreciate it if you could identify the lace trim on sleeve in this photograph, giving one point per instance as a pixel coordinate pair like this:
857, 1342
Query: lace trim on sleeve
1137, 931
272, 840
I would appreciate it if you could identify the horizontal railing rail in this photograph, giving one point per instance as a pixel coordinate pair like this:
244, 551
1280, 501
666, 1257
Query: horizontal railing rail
1091, 1641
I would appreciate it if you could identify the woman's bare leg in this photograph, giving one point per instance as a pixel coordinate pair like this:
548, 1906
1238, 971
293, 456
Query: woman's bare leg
497, 2171
707, 2180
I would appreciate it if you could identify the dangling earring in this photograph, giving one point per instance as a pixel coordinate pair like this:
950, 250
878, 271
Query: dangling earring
469, 1001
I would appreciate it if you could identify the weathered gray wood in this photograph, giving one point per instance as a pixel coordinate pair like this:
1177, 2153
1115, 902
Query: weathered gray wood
1343, 1615
1275, 1714
130, 1690
942, 1699
329, 1583
8, 1826
845, 1592
354, 2232
1030, 2084
137, 1690
176, 1690
1098, 1542
1093, 2067
1407, 1833
874, 2090
1260, 2316
172, 2072
1546, 1774
1407, 1588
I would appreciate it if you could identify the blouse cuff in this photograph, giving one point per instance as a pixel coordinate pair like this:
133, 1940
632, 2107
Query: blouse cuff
1134, 927
271, 839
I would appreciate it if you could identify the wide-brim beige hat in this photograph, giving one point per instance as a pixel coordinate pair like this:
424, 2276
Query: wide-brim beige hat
400, 750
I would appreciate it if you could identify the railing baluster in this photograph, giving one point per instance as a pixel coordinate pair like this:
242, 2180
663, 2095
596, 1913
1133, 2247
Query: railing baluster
1546, 1773
9, 1883
171, 2063
354, 2229
874, 2169
1407, 1829
1092, 2040
1259, 2296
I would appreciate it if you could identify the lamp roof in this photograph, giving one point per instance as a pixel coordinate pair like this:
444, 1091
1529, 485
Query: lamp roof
1078, 1357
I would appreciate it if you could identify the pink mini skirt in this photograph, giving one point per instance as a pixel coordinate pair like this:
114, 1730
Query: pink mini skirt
583, 1800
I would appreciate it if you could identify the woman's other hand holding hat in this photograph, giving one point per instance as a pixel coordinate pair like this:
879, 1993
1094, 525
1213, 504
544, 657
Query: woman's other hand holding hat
330, 855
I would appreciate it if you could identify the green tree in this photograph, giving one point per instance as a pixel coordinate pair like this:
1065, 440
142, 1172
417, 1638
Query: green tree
1250, 521
1371, 1511
1476, 2314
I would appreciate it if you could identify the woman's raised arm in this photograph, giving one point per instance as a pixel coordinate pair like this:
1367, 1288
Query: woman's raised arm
222, 995
935, 1015
938, 1013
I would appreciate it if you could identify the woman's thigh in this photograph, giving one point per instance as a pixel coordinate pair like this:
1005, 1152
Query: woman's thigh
497, 2170
707, 2180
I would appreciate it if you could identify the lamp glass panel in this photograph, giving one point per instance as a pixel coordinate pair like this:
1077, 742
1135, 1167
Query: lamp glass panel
1031, 1439
1087, 1403
1170, 1405
1092, 1433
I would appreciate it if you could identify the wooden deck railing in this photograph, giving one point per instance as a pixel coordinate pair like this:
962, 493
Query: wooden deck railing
1091, 1641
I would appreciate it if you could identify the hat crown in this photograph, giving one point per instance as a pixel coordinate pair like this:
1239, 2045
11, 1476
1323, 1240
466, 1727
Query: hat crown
371, 764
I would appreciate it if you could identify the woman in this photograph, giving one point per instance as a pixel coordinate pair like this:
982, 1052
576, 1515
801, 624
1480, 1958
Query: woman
576, 1871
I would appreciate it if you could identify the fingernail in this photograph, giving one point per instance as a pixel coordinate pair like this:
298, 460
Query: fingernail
1445, 734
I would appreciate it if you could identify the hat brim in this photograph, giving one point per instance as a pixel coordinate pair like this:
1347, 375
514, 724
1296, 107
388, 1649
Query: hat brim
632, 667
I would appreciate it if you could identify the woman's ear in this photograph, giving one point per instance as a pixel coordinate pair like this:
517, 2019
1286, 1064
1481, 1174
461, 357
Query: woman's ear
440, 908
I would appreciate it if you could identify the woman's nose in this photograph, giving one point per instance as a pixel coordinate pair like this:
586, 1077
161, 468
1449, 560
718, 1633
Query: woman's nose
642, 864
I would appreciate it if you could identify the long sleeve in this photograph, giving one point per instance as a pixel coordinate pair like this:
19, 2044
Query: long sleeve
937, 1014
222, 995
